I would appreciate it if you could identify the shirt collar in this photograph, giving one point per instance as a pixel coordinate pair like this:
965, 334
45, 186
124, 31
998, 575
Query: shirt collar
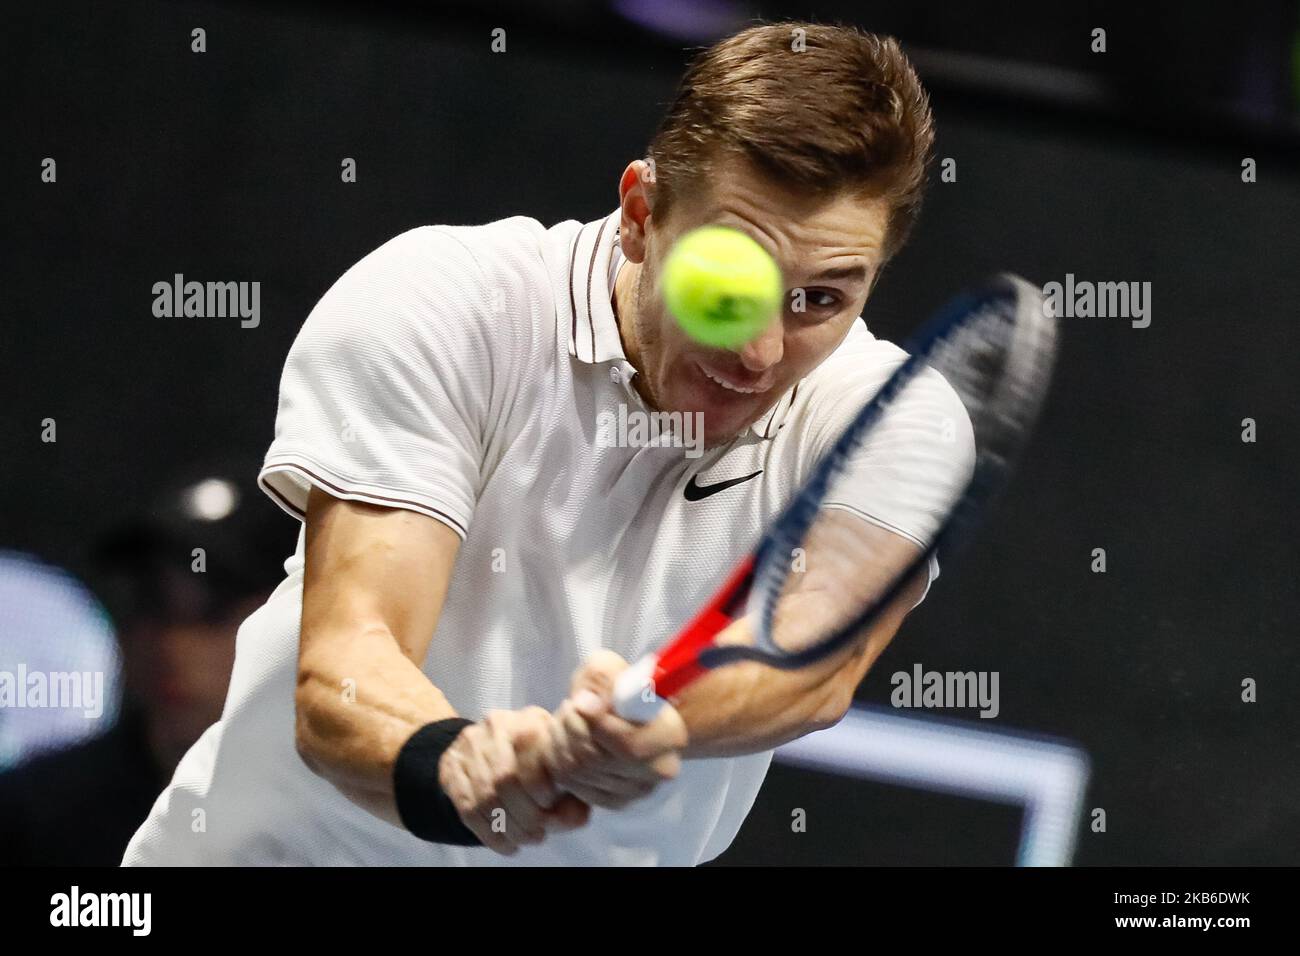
593, 331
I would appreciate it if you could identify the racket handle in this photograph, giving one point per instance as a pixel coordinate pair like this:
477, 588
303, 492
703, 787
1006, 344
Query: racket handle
634, 696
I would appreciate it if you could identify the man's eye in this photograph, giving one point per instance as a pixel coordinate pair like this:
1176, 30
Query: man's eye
814, 300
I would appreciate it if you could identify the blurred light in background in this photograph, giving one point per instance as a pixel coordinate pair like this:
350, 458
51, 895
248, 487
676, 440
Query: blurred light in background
51, 624
1046, 778
690, 21
211, 499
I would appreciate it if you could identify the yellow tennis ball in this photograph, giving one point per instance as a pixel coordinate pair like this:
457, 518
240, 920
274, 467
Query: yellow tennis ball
721, 286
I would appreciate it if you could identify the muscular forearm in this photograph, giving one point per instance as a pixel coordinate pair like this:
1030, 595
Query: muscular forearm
748, 707
356, 707
373, 587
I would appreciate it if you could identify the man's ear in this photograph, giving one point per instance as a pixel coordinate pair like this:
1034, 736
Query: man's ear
635, 194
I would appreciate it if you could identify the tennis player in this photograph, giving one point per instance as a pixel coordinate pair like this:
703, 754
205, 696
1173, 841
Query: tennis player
431, 682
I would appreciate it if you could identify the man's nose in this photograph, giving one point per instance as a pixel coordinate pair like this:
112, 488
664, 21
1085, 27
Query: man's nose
761, 353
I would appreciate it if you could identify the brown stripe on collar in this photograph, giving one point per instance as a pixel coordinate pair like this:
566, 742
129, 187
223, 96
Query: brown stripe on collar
589, 293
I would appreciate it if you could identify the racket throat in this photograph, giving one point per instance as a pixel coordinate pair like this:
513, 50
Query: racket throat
680, 663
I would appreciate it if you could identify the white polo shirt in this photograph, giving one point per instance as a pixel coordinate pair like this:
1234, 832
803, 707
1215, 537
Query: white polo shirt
462, 372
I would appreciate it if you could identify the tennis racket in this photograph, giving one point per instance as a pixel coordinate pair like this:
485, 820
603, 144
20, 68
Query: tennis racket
823, 571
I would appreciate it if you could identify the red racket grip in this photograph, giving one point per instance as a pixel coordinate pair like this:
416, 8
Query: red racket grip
643, 688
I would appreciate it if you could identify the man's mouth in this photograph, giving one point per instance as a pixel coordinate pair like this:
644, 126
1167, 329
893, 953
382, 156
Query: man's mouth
729, 383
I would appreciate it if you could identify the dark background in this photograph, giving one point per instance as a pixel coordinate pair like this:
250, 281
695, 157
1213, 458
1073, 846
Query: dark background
1124, 166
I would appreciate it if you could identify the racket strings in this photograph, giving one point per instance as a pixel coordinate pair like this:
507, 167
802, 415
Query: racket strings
925, 460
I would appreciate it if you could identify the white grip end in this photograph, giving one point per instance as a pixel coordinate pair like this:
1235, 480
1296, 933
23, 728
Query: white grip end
634, 695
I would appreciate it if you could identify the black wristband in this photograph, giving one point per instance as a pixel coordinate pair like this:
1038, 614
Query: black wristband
423, 805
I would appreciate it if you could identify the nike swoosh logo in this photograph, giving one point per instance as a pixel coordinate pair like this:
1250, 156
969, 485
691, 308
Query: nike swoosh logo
698, 492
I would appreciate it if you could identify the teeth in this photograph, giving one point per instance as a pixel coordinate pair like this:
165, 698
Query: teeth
728, 386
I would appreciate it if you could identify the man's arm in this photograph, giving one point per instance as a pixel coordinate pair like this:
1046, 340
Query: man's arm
747, 707
374, 586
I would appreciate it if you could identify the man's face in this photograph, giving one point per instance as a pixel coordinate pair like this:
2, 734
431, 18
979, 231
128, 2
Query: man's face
828, 247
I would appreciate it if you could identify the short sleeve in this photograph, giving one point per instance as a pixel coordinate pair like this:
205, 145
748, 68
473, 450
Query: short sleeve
915, 461
386, 388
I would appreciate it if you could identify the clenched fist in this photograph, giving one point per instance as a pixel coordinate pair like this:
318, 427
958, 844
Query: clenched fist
497, 778
601, 758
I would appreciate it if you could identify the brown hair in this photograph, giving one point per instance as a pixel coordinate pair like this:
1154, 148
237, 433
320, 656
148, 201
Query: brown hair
841, 110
